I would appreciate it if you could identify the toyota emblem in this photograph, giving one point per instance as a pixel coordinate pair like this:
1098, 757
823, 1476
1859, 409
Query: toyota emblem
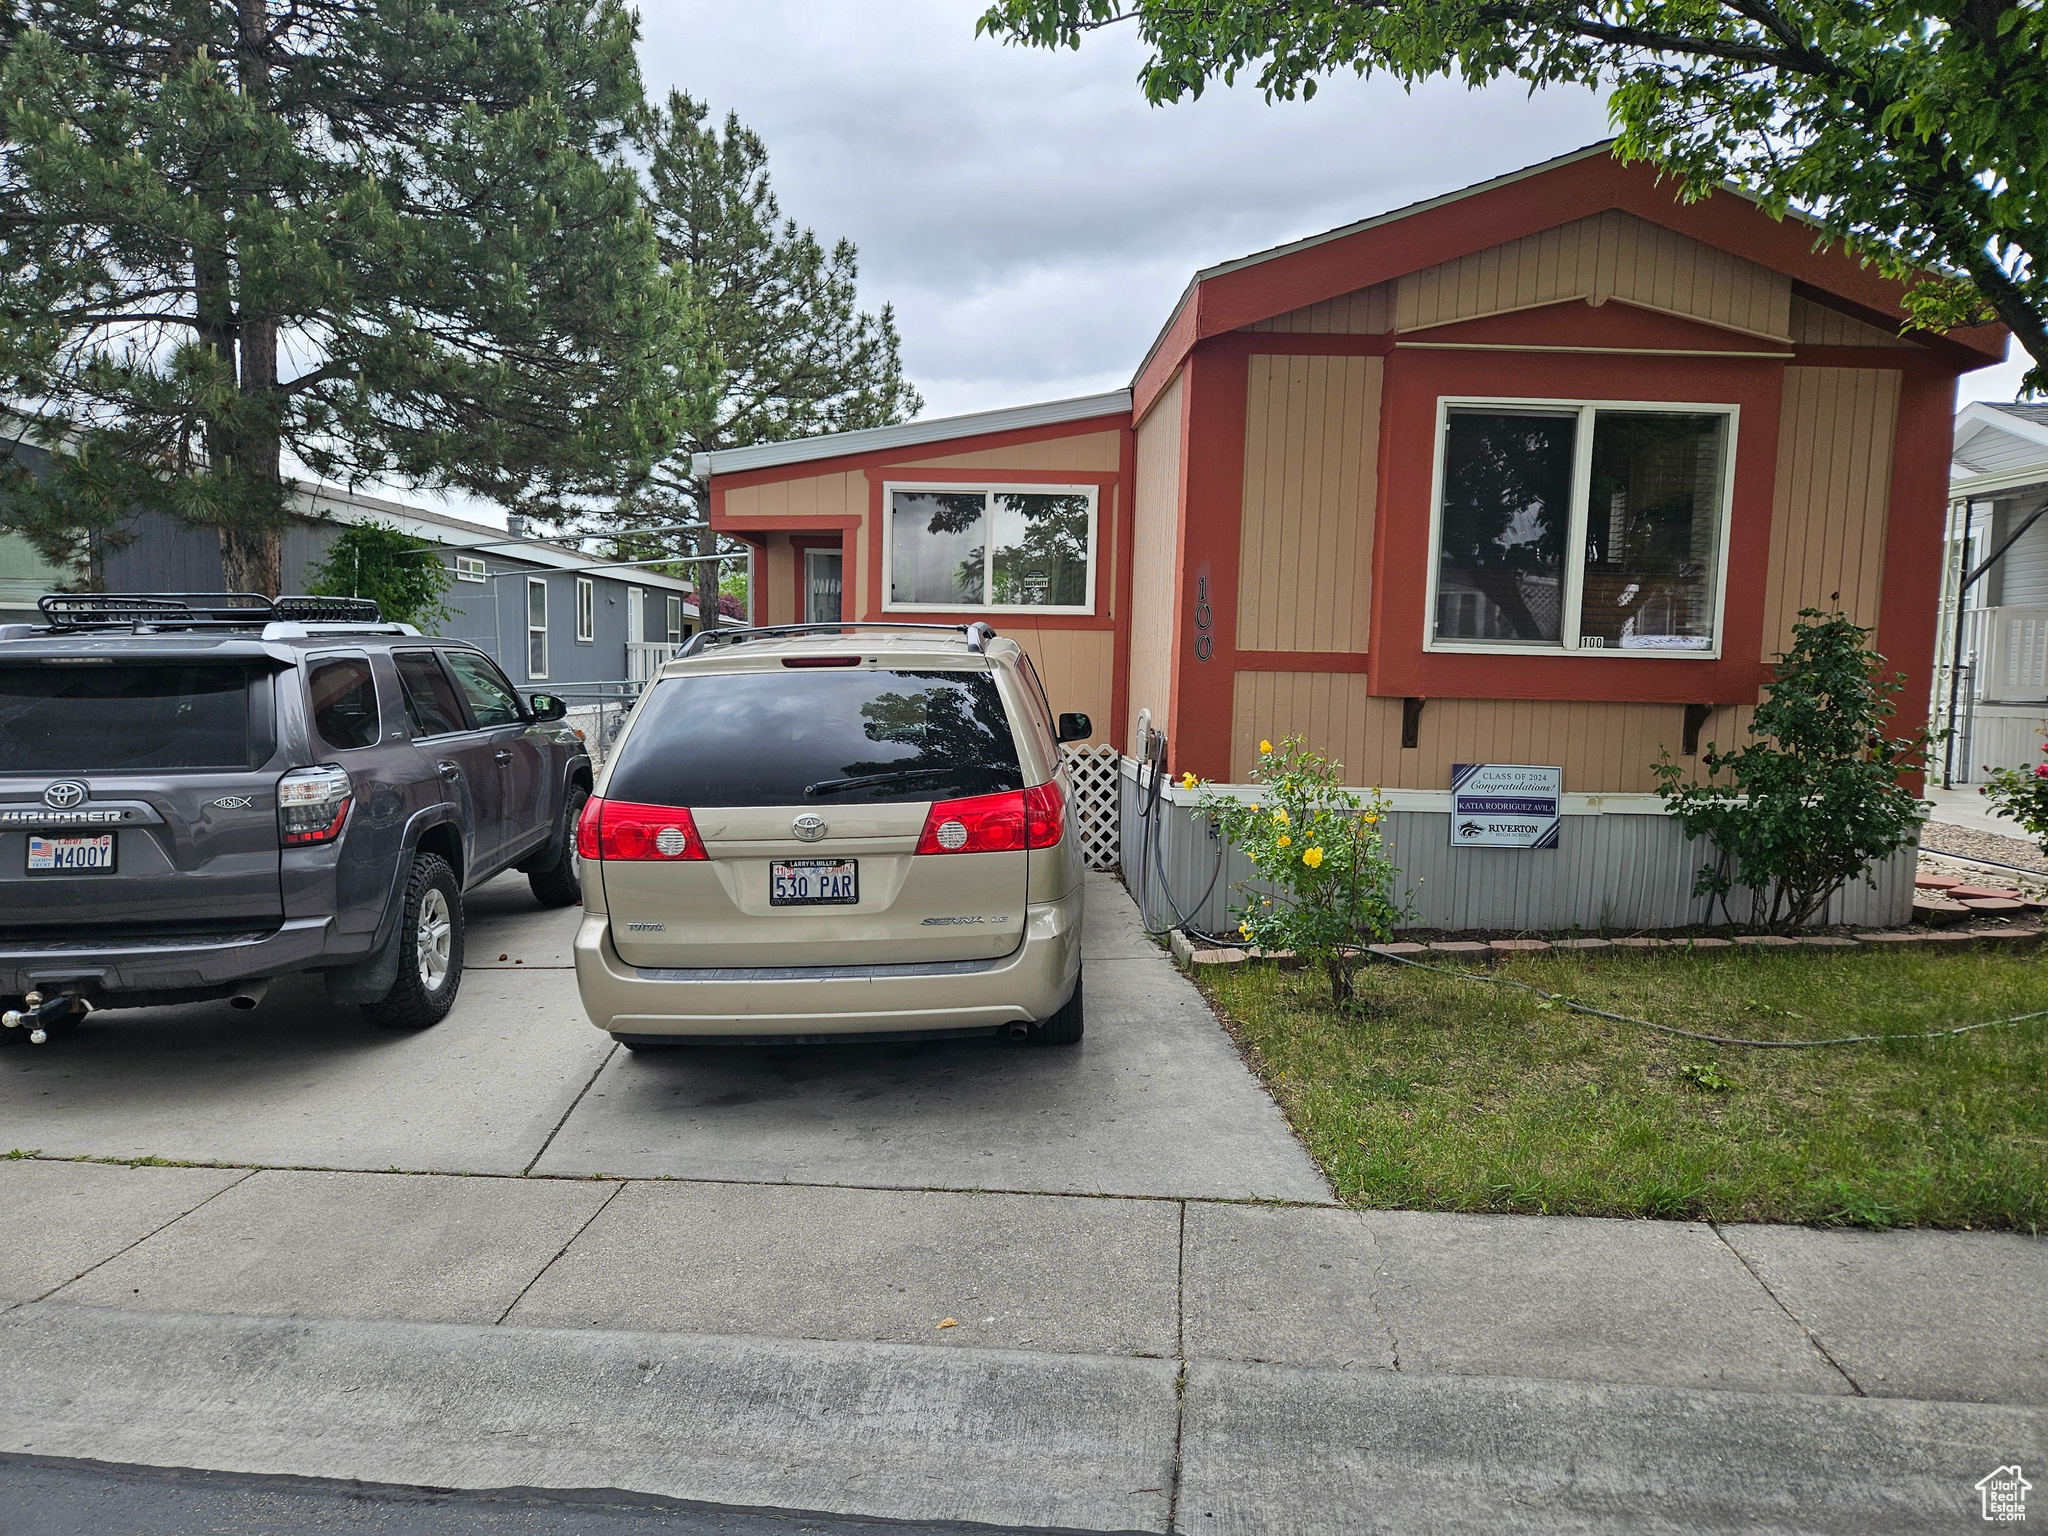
65, 795
810, 826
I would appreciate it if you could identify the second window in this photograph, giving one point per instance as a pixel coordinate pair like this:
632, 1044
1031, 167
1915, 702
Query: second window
1022, 547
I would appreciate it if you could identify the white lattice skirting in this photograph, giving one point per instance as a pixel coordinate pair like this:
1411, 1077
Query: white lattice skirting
1096, 772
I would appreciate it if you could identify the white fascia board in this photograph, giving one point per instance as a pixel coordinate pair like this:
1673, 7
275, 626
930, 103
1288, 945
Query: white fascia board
1962, 487
328, 503
1980, 415
909, 434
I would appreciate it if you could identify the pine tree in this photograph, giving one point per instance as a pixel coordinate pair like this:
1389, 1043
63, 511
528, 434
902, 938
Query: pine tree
788, 349
388, 238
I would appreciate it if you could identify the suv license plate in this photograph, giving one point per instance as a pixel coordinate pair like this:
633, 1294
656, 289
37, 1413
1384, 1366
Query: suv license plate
66, 855
813, 882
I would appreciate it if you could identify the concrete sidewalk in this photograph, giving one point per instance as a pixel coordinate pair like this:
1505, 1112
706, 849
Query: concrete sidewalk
1110, 1364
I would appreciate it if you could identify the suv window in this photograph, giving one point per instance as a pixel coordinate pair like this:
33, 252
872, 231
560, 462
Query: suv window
818, 738
491, 698
344, 702
430, 702
81, 719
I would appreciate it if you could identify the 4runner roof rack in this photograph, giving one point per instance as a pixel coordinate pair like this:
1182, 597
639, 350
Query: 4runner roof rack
978, 634
199, 610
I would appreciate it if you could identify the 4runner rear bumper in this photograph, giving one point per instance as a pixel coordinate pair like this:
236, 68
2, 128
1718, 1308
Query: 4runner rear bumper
1029, 984
110, 970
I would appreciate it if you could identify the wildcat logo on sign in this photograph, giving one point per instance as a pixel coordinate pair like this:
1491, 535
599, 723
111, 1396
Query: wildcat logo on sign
1505, 805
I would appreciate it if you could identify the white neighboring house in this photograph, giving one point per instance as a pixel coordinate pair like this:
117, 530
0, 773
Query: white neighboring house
1991, 677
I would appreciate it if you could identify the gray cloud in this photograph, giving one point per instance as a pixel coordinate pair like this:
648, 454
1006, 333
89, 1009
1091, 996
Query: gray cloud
1029, 216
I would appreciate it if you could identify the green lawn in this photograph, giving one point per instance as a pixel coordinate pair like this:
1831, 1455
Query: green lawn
1451, 1095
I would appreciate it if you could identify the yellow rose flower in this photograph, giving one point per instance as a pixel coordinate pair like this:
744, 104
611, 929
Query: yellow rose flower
1245, 929
1371, 819
1313, 858
1187, 781
1255, 807
1266, 747
1280, 818
1286, 841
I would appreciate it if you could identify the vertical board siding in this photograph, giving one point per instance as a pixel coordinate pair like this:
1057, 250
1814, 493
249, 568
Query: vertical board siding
838, 495
1832, 498
1305, 551
1077, 667
1156, 519
1367, 312
1603, 748
1088, 452
1610, 255
1816, 325
1615, 874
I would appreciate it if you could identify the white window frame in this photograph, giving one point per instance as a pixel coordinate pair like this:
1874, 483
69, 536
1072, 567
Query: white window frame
471, 568
586, 610
990, 488
541, 674
673, 611
1575, 532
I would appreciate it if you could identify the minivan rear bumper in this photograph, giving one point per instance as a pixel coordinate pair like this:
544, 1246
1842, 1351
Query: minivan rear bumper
160, 966
1031, 983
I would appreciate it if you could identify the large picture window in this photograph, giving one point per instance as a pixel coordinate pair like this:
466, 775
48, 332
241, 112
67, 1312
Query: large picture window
1571, 526
995, 547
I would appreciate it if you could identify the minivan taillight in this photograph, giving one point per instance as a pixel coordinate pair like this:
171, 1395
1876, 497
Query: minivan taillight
620, 831
1001, 823
312, 805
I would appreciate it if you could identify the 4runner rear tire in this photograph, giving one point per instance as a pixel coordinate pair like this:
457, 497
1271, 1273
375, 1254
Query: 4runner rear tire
561, 883
430, 949
1064, 1027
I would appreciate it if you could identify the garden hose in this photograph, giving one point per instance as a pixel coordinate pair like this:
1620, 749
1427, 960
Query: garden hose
1148, 851
1693, 1034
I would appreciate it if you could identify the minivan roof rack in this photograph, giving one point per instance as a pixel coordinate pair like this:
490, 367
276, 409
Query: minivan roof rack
978, 634
199, 610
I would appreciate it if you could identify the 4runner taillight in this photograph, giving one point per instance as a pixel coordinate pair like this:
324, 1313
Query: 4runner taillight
620, 830
999, 823
312, 805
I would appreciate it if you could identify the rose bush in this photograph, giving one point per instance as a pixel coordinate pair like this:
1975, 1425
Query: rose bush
2022, 794
1324, 886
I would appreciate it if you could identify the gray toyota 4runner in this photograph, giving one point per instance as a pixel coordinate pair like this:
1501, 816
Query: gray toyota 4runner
199, 793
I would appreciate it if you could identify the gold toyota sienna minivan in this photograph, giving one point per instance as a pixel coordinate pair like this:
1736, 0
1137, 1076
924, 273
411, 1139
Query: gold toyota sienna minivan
823, 832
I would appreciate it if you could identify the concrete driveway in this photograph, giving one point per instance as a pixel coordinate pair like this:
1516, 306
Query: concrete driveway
1154, 1102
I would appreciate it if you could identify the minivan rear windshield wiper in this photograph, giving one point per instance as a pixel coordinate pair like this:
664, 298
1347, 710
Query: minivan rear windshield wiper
876, 780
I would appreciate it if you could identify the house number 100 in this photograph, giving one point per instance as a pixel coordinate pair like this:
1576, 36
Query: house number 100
1205, 645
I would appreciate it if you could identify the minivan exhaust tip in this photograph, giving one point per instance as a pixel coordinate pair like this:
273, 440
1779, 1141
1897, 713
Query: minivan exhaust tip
248, 996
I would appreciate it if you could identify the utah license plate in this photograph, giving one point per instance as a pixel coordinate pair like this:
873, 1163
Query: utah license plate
65, 855
813, 882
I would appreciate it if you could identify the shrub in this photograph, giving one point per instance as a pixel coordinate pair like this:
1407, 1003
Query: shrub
2022, 794
1321, 851
401, 573
1815, 798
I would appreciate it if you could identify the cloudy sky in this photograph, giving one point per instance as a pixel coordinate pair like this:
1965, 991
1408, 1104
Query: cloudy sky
1030, 217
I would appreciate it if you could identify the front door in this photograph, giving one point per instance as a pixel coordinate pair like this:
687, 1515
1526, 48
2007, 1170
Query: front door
821, 587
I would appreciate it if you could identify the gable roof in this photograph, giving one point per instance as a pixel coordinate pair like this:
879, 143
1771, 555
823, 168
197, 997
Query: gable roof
1998, 447
1588, 181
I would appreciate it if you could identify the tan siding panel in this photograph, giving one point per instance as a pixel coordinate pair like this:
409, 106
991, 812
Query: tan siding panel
1603, 748
1088, 453
1077, 666
1611, 254
1305, 542
1818, 326
1156, 514
1833, 496
841, 495
1367, 312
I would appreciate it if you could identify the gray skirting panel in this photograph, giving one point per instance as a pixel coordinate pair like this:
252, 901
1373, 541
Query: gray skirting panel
1617, 873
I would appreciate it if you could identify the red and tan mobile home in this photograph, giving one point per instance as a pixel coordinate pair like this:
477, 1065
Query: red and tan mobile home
1538, 473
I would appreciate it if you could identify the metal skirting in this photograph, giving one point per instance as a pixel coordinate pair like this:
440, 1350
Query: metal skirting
1613, 872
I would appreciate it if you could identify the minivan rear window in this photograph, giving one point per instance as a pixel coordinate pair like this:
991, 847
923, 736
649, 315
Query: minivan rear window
818, 738
84, 719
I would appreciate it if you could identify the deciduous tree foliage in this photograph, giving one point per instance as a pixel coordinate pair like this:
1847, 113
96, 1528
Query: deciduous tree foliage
388, 237
403, 575
1915, 130
787, 348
